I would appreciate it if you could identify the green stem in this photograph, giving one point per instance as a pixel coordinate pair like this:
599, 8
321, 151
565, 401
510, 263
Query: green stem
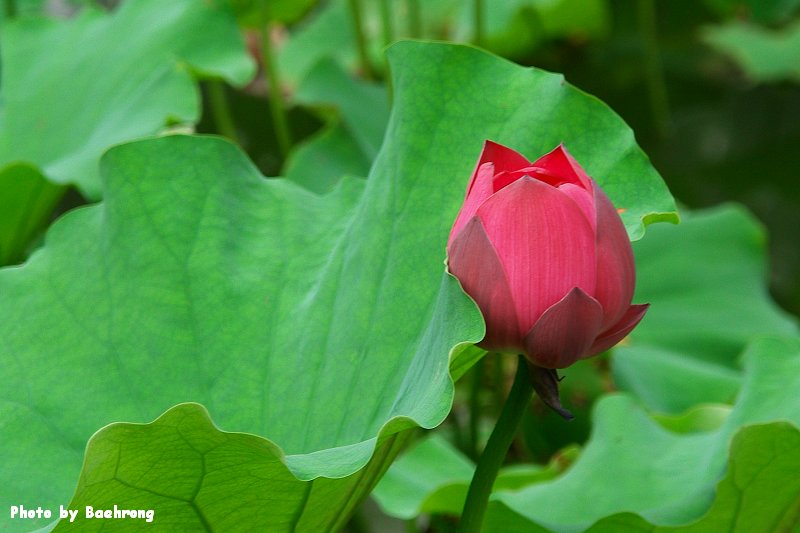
357, 523
221, 110
276, 103
11, 8
478, 14
654, 70
496, 449
414, 19
475, 408
498, 380
386, 23
361, 39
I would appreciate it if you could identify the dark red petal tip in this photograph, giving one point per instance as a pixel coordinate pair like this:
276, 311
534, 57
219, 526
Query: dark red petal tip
620, 330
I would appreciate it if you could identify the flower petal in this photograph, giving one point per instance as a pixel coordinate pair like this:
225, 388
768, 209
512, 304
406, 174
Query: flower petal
616, 271
561, 165
584, 199
620, 330
473, 260
481, 189
503, 158
544, 242
565, 331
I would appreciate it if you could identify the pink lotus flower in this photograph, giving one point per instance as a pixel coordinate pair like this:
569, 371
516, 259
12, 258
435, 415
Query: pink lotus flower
544, 254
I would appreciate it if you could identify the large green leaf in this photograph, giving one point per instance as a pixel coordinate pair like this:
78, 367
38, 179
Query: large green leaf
72, 88
666, 477
706, 280
324, 323
760, 492
184, 469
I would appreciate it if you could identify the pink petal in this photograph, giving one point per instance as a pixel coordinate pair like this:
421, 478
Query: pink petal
481, 190
473, 260
616, 271
503, 158
503, 179
565, 331
544, 243
584, 199
619, 331
561, 165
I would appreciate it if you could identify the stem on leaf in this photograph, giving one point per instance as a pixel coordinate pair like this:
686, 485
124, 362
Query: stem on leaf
496, 449
221, 110
414, 19
654, 69
478, 15
276, 103
361, 39
475, 408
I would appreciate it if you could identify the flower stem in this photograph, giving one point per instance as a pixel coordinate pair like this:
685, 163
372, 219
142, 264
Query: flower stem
654, 69
386, 22
496, 449
221, 110
276, 103
478, 14
361, 39
475, 407
414, 19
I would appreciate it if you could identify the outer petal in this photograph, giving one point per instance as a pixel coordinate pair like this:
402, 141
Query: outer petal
562, 166
481, 189
565, 331
618, 332
616, 271
473, 260
544, 242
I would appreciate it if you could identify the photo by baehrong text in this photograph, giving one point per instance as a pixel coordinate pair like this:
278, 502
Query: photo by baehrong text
89, 512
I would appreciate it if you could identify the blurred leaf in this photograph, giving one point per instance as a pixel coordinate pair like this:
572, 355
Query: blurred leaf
433, 477
363, 106
352, 140
515, 28
764, 55
329, 34
26, 202
64, 102
705, 417
320, 162
666, 477
760, 492
24, 8
324, 323
255, 13
762, 11
706, 280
